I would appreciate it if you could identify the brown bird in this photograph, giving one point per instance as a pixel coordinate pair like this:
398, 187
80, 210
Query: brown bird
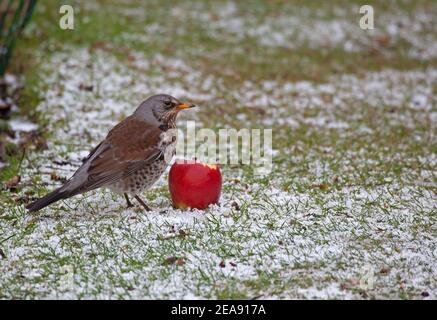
132, 157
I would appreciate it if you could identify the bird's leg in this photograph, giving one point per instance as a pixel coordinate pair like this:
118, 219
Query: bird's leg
143, 203
129, 204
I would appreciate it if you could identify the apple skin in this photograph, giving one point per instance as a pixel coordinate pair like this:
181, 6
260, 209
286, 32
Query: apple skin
194, 184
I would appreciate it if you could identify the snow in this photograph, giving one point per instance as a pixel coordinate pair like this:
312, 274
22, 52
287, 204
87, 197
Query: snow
22, 125
318, 29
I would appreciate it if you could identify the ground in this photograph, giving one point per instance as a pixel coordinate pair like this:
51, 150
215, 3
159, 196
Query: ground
349, 209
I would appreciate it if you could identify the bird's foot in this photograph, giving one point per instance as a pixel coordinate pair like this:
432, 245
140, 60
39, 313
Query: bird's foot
128, 203
145, 206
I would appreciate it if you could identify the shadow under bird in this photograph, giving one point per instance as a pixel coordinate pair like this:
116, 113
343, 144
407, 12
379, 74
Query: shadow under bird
132, 157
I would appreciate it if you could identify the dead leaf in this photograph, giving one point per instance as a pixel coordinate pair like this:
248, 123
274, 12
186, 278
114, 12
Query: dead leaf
383, 40
55, 177
327, 98
384, 270
102, 45
222, 264
85, 87
183, 233
322, 186
180, 262
12, 183
170, 260
258, 110
235, 206
425, 294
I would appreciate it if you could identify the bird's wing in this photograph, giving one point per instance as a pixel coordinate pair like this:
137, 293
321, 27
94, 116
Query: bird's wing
129, 146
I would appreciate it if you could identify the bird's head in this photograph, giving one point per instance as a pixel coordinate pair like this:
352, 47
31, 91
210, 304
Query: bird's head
162, 108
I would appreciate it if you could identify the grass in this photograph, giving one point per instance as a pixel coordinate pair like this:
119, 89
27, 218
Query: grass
353, 186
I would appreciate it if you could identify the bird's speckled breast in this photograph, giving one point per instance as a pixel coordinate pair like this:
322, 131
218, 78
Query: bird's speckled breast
146, 176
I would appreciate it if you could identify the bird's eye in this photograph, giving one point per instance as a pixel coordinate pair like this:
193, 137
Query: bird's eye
167, 103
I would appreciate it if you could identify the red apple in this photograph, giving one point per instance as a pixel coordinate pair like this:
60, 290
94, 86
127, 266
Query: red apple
194, 184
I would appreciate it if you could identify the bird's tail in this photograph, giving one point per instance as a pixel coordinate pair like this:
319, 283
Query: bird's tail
53, 196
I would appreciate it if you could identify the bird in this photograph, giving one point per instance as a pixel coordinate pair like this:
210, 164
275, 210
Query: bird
131, 158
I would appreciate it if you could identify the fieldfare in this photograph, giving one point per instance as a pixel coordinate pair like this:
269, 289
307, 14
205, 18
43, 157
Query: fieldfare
132, 157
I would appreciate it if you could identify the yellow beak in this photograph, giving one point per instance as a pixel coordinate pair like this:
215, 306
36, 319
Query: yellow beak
185, 105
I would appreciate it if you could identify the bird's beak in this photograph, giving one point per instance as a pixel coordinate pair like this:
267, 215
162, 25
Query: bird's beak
185, 105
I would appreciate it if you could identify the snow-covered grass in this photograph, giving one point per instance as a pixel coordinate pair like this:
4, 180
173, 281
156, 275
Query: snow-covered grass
349, 211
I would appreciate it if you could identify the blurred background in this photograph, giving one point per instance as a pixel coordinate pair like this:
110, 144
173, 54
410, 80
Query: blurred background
254, 41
